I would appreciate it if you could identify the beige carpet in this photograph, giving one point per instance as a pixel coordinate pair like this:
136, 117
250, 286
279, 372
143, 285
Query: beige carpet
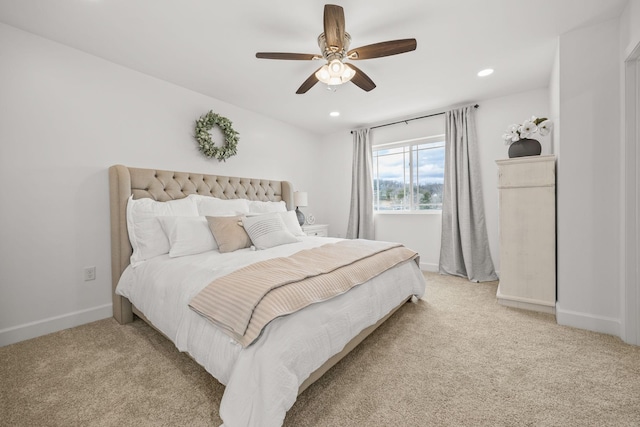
455, 359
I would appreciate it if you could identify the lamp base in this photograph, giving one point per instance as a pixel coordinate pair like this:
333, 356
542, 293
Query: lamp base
300, 217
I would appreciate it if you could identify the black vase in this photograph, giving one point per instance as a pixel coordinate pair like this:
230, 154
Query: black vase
525, 147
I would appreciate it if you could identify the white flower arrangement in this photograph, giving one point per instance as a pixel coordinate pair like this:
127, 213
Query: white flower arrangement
530, 126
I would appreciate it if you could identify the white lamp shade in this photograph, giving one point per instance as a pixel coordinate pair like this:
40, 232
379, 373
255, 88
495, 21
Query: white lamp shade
335, 73
300, 198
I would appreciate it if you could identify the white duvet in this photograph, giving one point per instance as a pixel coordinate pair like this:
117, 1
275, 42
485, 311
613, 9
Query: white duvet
261, 380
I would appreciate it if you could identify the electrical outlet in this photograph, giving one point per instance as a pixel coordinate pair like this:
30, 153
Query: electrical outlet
89, 273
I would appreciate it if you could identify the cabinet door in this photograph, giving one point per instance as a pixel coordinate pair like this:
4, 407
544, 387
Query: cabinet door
527, 243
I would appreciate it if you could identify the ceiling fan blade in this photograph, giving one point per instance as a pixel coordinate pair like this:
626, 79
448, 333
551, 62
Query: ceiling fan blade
378, 50
308, 84
362, 80
334, 26
290, 56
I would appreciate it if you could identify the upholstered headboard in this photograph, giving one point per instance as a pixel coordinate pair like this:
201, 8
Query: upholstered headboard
163, 186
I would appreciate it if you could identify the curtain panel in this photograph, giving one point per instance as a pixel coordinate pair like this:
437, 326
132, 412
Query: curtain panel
361, 211
464, 249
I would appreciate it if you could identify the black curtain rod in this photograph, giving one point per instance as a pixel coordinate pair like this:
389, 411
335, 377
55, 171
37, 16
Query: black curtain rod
408, 120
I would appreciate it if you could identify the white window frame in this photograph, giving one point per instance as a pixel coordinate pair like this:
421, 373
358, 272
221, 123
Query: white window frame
411, 143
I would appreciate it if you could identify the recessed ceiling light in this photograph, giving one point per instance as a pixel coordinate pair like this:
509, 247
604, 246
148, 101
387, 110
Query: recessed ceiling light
485, 72
334, 113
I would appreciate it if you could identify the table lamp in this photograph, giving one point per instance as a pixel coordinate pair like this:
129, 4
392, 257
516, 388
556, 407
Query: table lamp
300, 199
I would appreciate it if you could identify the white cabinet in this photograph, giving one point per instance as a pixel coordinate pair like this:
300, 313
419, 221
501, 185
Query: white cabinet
320, 230
527, 233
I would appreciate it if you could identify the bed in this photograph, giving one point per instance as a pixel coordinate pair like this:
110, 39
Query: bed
262, 378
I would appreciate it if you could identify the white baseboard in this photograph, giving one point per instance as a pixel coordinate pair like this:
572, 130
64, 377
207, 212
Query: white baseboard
425, 266
54, 324
590, 322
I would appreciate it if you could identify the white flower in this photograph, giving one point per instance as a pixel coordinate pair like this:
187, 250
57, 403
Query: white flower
545, 127
527, 129
511, 135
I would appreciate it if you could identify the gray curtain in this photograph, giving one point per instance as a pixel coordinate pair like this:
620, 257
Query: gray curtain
361, 212
464, 249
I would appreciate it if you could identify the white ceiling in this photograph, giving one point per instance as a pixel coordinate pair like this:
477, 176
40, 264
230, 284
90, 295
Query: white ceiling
209, 46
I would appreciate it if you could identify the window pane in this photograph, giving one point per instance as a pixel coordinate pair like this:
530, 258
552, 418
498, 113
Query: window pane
430, 177
390, 178
409, 177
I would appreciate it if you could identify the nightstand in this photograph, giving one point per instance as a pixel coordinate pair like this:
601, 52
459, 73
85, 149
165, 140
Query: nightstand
320, 230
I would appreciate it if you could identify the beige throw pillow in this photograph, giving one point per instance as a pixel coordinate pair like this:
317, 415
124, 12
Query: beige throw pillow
229, 233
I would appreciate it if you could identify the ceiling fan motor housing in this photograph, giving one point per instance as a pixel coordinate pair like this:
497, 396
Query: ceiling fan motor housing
333, 52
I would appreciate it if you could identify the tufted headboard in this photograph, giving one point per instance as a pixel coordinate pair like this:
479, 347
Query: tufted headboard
168, 185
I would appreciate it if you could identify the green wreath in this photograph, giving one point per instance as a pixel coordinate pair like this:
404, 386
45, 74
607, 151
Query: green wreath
204, 124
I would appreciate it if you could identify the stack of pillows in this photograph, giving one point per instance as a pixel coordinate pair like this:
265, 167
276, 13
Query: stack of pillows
198, 224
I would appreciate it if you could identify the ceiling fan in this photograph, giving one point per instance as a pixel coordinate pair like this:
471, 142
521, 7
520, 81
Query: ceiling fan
334, 45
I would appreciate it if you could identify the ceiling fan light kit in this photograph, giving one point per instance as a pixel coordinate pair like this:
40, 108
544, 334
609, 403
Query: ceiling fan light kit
335, 73
334, 45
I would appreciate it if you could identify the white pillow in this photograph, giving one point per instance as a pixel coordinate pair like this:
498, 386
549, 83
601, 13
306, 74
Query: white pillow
267, 231
256, 206
188, 235
212, 206
290, 220
145, 233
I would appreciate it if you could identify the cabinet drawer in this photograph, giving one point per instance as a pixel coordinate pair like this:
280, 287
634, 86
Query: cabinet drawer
531, 171
319, 230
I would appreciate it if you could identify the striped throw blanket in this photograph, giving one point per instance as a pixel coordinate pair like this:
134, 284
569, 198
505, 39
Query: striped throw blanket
243, 302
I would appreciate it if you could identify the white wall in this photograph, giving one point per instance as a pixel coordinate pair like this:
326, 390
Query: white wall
630, 162
336, 156
588, 181
554, 101
65, 118
421, 231
629, 28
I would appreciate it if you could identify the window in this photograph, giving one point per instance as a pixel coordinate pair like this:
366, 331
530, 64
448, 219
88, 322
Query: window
409, 175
